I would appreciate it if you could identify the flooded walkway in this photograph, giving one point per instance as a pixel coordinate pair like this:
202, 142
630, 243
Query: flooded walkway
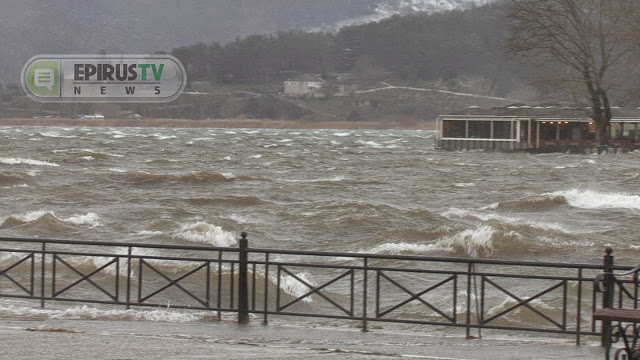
85, 339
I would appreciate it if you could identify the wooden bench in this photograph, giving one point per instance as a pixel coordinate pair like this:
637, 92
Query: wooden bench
628, 334
619, 315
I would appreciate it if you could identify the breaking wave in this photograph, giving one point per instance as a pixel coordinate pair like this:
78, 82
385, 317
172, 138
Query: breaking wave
587, 199
512, 222
583, 199
90, 219
407, 248
45, 217
203, 232
292, 286
482, 241
532, 203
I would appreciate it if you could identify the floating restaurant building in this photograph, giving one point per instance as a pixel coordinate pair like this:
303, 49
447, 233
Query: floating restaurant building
534, 129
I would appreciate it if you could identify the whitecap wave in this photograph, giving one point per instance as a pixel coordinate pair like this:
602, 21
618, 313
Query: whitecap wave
90, 219
294, 287
507, 220
31, 215
52, 134
337, 178
18, 161
407, 248
372, 144
588, 199
482, 241
16, 186
472, 242
149, 233
203, 232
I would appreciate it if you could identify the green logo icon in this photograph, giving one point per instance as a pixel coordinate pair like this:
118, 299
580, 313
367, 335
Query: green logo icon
42, 78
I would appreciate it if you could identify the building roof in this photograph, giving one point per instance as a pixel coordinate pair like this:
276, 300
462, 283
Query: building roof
526, 111
306, 78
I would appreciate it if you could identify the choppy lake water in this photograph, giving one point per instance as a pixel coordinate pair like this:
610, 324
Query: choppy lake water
384, 192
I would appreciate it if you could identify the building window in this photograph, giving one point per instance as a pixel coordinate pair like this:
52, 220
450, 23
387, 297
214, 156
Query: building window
453, 129
502, 130
479, 129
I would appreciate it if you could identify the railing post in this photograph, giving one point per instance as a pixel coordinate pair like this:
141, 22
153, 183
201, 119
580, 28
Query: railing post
243, 286
42, 274
607, 296
265, 320
128, 277
365, 290
470, 268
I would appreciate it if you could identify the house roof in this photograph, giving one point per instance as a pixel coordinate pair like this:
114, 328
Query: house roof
306, 78
526, 111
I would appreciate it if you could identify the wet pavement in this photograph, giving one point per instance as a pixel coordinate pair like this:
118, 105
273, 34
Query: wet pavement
98, 339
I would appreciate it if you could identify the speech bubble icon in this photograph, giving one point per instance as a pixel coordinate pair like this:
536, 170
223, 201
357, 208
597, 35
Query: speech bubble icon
43, 77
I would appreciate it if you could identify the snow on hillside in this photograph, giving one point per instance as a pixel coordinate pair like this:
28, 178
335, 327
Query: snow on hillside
387, 8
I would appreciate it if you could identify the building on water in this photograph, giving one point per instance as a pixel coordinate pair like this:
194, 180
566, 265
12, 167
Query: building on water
535, 129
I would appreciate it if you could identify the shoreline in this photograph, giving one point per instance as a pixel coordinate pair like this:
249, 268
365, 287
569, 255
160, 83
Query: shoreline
216, 123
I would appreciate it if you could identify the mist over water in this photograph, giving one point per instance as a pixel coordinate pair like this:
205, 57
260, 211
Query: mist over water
382, 192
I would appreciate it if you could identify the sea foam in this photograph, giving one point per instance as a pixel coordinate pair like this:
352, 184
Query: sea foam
86, 312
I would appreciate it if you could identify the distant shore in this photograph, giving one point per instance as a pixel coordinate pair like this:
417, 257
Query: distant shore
216, 123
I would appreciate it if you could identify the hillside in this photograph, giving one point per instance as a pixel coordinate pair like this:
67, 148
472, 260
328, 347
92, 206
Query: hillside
30, 27
437, 62
453, 48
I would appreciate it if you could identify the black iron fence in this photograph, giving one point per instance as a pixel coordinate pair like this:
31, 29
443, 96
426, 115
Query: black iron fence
473, 294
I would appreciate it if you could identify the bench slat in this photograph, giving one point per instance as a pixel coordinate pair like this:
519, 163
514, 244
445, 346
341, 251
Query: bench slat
626, 315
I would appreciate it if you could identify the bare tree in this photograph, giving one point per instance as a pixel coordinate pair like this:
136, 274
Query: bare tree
586, 37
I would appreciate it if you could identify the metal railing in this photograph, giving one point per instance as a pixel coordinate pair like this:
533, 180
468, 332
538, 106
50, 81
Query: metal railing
473, 294
119, 273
